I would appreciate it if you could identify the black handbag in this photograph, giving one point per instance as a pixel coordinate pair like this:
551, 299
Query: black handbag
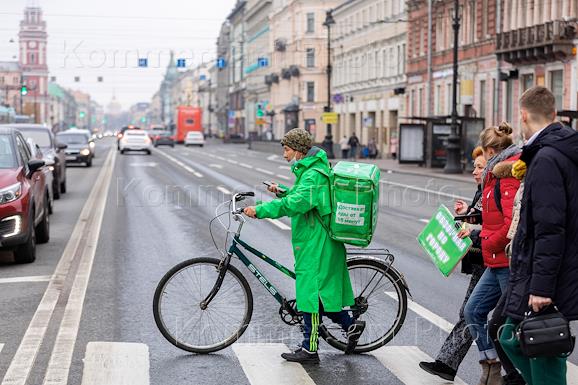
545, 334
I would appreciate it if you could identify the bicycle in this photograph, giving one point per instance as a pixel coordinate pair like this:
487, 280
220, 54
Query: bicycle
203, 305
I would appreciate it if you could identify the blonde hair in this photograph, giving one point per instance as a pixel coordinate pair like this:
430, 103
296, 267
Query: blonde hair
499, 138
478, 151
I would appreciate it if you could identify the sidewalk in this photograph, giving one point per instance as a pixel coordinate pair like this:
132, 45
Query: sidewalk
383, 164
413, 169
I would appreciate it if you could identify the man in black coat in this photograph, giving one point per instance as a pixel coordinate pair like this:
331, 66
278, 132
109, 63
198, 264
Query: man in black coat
544, 265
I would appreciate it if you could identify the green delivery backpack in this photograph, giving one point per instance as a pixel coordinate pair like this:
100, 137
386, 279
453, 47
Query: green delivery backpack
354, 201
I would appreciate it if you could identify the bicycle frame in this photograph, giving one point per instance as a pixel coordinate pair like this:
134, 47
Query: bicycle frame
235, 250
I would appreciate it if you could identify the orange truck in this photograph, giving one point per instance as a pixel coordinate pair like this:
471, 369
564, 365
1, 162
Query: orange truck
188, 119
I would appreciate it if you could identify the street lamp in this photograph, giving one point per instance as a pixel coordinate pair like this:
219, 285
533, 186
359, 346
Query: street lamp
453, 165
328, 141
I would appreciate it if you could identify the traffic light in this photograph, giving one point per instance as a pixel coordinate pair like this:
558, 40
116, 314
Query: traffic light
260, 112
23, 90
81, 114
143, 119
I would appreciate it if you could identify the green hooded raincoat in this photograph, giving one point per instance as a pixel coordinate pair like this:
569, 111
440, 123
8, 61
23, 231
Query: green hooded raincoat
320, 262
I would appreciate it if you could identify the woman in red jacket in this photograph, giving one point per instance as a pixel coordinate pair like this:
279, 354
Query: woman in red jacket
499, 189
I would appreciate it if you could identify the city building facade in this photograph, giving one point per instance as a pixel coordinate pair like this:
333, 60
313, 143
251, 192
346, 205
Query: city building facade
222, 78
33, 45
298, 77
369, 56
257, 66
236, 127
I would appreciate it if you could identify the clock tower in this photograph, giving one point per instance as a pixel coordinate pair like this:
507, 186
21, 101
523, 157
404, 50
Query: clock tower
33, 42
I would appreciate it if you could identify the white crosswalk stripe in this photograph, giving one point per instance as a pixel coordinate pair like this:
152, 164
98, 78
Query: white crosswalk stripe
403, 362
114, 363
263, 365
1, 347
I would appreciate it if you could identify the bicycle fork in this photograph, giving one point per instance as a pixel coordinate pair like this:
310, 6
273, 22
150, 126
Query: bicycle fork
223, 267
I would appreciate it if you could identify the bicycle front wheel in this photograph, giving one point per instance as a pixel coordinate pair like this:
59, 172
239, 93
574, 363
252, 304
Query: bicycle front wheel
189, 326
381, 301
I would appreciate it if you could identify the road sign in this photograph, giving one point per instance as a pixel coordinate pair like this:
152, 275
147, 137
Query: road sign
221, 63
181, 63
143, 63
330, 117
260, 121
440, 241
263, 62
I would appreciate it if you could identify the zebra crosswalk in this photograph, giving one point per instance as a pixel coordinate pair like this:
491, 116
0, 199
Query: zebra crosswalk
107, 363
120, 363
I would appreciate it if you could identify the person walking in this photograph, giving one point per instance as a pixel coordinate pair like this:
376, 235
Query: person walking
372, 148
322, 281
353, 145
458, 343
344, 144
498, 193
544, 253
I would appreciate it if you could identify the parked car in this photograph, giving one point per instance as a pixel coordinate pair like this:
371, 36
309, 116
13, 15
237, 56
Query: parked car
163, 138
120, 134
53, 152
194, 138
24, 219
47, 170
135, 140
78, 150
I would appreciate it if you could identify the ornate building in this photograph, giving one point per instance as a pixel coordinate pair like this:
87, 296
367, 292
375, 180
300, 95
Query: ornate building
33, 45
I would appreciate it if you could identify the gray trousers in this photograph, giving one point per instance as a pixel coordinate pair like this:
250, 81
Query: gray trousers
456, 346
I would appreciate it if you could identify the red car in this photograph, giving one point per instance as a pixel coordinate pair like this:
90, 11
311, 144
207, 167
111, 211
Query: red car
24, 197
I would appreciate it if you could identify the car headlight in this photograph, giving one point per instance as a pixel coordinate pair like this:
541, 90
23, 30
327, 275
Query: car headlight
85, 152
91, 144
10, 193
51, 168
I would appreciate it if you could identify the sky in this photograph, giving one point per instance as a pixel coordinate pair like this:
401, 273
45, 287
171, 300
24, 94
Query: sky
105, 38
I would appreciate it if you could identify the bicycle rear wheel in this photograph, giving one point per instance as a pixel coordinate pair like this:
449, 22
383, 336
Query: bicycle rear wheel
381, 301
181, 319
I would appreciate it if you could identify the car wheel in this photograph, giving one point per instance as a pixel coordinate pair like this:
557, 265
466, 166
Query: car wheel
26, 253
172, 146
202, 145
43, 228
89, 163
55, 190
122, 152
149, 152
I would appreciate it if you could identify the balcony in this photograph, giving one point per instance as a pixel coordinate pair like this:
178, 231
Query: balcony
537, 44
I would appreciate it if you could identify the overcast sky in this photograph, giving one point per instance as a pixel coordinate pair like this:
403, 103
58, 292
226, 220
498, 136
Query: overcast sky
104, 38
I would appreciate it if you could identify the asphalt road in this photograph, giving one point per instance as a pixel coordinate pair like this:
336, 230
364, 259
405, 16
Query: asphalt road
155, 215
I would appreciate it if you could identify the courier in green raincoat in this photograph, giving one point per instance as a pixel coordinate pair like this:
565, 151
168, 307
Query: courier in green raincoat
322, 284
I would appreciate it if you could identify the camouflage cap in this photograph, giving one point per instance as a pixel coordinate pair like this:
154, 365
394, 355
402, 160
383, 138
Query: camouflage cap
299, 140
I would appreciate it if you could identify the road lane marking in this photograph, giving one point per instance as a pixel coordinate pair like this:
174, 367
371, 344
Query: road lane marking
21, 365
265, 171
403, 362
181, 164
1, 347
232, 161
426, 314
263, 365
279, 224
246, 165
220, 158
283, 177
285, 168
224, 190
143, 164
424, 220
273, 157
217, 166
61, 357
424, 190
36, 278
114, 363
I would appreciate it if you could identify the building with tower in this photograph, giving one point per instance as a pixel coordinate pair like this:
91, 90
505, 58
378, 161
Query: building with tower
33, 46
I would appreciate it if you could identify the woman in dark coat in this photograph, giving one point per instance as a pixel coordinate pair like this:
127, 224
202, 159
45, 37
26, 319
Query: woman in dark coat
456, 346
